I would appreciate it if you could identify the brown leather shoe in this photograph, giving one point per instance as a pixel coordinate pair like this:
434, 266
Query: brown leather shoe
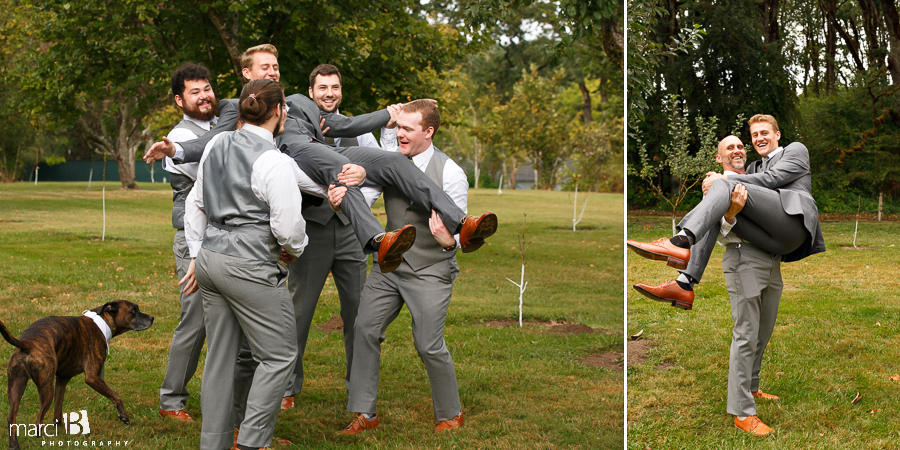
475, 230
662, 250
445, 425
669, 292
753, 426
762, 395
287, 402
392, 246
179, 414
359, 424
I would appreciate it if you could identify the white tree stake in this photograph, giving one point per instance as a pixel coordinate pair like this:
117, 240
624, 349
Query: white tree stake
103, 237
575, 217
35, 175
90, 176
499, 191
152, 166
858, 204
522, 284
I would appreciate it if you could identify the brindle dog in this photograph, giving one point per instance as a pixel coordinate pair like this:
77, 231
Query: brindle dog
63, 347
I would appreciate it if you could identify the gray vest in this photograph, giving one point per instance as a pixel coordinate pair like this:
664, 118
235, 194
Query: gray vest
323, 213
426, 251
238, 221
182, 184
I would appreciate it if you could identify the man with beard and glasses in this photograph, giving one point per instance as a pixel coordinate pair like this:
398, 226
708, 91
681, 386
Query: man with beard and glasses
194, 95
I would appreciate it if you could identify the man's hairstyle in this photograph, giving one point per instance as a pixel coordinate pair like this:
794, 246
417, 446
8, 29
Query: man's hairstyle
247, 56
324, 70
764, 118
431, 117
259, 99
188, 72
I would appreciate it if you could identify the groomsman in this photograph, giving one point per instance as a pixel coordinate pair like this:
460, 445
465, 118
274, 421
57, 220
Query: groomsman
423, 281
194, 95
333, 247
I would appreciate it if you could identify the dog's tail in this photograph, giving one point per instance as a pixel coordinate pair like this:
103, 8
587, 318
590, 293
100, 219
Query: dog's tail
21, 345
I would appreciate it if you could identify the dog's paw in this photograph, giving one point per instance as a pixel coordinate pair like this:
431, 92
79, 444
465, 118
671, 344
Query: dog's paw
124, 419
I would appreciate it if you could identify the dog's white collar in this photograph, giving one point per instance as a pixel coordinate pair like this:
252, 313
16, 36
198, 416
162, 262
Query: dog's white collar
104, 327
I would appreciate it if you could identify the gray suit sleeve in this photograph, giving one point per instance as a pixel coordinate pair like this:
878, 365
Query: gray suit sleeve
793, 164
342, 126
193, 149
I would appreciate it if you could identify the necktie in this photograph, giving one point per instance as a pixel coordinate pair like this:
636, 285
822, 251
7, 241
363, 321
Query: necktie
764, 161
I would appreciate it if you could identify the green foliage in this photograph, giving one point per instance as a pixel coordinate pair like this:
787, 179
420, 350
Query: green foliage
674, 159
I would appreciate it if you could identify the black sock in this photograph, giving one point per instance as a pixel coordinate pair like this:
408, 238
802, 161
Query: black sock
685, 286
244, 447
683, 240
375, 244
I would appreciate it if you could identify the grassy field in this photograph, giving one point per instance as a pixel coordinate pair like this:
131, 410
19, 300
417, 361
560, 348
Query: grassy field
836, 336
520, 388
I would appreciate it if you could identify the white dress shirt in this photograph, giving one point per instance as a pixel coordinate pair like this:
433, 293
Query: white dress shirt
725, 235
181, 135
273, 179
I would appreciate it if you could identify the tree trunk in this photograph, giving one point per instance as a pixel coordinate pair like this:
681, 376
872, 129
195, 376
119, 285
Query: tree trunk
892, 23
586, 96
770, 20
871, 24
230, 36
830, 50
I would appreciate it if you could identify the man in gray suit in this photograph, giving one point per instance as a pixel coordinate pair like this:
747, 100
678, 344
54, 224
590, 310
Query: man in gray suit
194, 95
780, 216
333, 246
753, 277
423, 282
303, 139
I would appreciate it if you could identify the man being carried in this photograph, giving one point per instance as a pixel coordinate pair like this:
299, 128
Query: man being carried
302, 140
780, 215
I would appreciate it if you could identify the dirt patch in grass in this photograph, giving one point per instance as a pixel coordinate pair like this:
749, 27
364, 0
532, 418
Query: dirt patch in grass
637, 351
332, 325
546, 327
607, 360
849, 247
790, 287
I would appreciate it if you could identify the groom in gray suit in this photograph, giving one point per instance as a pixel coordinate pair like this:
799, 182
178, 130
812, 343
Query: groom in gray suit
780, 216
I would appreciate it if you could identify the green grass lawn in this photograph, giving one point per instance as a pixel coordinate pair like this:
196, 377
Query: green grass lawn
520, 388
836, 336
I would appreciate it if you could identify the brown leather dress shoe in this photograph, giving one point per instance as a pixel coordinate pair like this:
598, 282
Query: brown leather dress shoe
662, 250
445, 425
475, 230
669, 292
359, 424
762, 395
179, 414
392, 246
287, 402
753, 426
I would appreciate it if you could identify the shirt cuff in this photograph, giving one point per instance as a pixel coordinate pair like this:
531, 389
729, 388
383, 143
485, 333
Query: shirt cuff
725, 227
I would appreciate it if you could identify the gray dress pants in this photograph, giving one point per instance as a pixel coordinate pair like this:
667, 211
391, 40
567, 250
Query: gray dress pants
427, 295
244, 298
753, 277
187, 340
332, 248
762, 222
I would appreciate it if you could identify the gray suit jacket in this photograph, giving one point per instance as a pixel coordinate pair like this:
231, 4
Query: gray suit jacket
302, 125
788, 173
